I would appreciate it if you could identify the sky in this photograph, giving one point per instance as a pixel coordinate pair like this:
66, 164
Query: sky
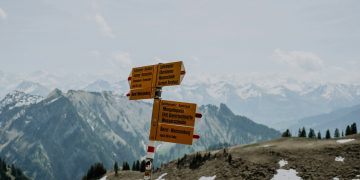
305, 40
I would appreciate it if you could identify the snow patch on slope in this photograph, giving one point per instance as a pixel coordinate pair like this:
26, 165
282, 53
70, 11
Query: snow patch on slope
282, 163
342, 141
339, 159
283, 174
161, 176
207, 178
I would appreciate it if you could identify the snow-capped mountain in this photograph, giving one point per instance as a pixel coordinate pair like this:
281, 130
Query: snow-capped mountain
274, 101
33, 88
277, 105
60, 136
18, 99
98, 86
119, 87
40, 79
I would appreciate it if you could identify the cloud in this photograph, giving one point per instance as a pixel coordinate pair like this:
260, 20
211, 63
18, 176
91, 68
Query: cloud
94, 5
306, 61
3, 14
95, 52
121, 60
104, 26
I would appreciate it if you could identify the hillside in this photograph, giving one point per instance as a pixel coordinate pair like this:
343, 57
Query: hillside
294, 157
339, 118
80, 127
87, 127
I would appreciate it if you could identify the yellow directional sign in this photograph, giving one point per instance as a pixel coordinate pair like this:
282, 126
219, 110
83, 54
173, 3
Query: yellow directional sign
170, 74
175, 134
172, 121
143, 77
146, 93
177, 113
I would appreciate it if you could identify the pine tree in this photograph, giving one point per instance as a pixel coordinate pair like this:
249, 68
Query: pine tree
14, 173
299, 132
353, 128
142, 166
311, 133
133, 167
328, 136
198, 160
286, 133
336, 133
116, 168
348, 131
319, 135
96, 171
125, 166
137, 166
4, 170
303, 132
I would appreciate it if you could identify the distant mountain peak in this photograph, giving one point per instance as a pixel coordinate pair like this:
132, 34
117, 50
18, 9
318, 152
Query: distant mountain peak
33, 88
54, 94
18, 99
99, 85
224, 109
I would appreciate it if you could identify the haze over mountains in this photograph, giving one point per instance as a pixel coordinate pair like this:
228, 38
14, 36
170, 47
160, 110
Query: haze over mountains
339, 118
274, 101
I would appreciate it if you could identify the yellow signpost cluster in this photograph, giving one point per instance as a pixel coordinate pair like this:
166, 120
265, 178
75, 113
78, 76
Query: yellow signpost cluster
171, 121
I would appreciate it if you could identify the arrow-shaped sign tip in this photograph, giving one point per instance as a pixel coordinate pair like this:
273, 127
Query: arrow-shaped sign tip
198, 115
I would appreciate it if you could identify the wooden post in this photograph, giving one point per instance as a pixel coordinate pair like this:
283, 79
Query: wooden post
151, 146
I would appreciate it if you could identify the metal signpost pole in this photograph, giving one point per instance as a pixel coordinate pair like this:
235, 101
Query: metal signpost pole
151, 146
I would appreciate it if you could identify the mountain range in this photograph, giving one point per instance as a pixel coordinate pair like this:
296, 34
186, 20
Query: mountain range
277, 103
61, 135
274, 101
339, 118
276, 106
